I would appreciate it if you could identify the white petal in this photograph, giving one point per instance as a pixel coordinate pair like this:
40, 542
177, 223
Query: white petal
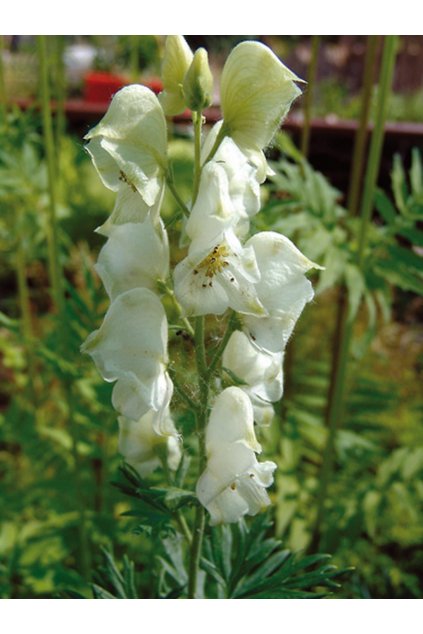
130, 207
135, 255
129, 144
176, 62
256, 93
283, 287
130, 347
260, 370
269, 334
231, 420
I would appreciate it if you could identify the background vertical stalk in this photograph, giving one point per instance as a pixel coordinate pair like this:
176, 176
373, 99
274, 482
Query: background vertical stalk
57, 293
60, 93
375, 153
344, 327
361, 135
133, 58
3, 96
25, 306
55, 272
308, 95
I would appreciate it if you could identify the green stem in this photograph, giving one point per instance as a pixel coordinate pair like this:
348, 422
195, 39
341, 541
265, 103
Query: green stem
344, 326
220, 136
361, 136
222, 345
170, 293
181, 392
308, 96
375, 153
52, 235
201, 420
198, 122
174, 192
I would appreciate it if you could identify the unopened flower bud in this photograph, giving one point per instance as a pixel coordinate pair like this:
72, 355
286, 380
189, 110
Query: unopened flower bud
198, 82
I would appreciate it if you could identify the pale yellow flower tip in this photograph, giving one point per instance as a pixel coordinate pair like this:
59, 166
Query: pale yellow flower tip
176, 62
256, 93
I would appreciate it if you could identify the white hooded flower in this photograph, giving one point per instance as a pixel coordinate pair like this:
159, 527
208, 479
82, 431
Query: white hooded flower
260, 371
234, 482
141, 445
282, 288
130, 348
211, 280
135, 255
228, 196
128, 147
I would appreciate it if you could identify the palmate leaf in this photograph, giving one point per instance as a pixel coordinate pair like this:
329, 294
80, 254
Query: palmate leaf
121, 584
245, 563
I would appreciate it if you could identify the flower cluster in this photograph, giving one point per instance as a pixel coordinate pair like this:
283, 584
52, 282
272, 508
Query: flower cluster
261, 278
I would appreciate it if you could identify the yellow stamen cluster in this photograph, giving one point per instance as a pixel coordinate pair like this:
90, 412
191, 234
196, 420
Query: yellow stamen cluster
215, 262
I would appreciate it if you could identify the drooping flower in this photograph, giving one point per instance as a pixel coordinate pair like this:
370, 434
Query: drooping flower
234, 483
130, 347
135, 255
176, 62
282, 288
214, 279
142, 447
128, 147
260, 371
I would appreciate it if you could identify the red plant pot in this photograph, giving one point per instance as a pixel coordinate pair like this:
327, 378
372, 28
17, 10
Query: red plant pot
100, 87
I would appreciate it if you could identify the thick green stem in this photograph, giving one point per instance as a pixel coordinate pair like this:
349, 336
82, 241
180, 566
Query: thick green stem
308, 96
201, 420
361, 136
344, 326
52, 231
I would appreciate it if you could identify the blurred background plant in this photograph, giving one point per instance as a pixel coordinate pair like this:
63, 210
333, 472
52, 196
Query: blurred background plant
58, 434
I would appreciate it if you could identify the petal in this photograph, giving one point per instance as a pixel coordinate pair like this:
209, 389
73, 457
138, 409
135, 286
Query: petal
176, 62
283, 287
130, 347
269, 334
135, 255
256, 93
261, 371
130, 207
133, 134
231, 420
